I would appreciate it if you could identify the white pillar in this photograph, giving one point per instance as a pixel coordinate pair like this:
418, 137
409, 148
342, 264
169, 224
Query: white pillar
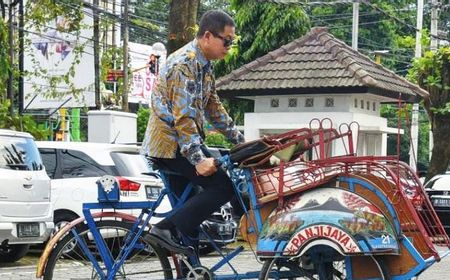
355, 25
414, 136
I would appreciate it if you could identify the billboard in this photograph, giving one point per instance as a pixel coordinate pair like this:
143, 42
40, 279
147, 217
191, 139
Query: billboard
145, 61
50, 52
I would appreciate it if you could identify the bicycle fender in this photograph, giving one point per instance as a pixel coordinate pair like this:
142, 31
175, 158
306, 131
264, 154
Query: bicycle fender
51, 244
328, 216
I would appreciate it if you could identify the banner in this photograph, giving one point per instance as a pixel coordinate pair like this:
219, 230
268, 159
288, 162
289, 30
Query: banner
145, 63
50, 52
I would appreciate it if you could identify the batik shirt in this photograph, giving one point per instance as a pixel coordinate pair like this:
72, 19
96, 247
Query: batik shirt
185, 97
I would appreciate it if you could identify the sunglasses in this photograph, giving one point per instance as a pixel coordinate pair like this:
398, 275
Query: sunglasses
226, 42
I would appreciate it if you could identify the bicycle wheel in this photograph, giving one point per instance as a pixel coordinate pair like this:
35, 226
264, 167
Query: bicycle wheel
279, 268
337, 269
148, 262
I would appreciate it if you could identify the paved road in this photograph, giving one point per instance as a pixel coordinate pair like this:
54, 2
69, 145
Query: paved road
25, 269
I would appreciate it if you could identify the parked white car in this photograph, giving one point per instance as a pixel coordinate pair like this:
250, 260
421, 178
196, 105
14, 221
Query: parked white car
26, 216
75, 167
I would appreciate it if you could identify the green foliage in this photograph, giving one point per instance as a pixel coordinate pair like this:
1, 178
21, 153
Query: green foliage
431, 73
262, 27
393, 115
143, 115
4, 58
237, 108
112, 59
145, 24
376, 30
20, 123
149, 21
41, 12
217, 140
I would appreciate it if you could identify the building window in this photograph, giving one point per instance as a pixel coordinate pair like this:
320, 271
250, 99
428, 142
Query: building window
374, 107
309, 102
275, 103
292, 102
356, 103
368, 105
329, 102
362, 104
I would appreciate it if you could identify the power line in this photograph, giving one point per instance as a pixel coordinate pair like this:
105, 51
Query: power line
375, 7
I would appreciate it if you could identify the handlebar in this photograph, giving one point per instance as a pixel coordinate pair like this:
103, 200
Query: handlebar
223, 160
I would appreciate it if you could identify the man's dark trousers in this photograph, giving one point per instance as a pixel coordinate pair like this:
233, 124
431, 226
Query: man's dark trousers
217, 190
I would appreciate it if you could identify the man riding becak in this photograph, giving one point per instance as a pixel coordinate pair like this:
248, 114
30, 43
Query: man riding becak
185, 96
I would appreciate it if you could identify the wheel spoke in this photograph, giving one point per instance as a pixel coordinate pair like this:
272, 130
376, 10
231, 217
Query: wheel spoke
143, 262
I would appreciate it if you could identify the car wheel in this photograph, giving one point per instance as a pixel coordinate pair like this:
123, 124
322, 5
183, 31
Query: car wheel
13, 252
61, 220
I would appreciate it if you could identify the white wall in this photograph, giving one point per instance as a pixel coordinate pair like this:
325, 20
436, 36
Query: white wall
342, 103
372, 139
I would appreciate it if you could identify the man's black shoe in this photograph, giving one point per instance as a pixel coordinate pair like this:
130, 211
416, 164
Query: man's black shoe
164, 238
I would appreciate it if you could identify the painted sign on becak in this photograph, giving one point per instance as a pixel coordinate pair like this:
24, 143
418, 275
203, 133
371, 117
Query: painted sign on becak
145, 62
51, 52
338, 236
329, 214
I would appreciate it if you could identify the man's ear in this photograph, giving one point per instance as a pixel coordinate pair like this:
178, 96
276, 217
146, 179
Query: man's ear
207, 35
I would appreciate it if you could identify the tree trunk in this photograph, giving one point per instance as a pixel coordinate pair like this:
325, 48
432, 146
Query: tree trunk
440, 122
182, 20
440, 157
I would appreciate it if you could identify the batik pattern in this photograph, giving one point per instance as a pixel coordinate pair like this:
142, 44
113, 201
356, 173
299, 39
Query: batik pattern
184, 98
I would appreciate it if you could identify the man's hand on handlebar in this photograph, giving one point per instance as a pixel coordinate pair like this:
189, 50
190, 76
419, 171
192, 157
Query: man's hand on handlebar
207, 167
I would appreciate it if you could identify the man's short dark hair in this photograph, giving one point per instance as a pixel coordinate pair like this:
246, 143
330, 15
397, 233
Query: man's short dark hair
214, 21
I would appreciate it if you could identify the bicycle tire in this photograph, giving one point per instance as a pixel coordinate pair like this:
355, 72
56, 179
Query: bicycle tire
157, 263
268, 271
336, 270
330, 270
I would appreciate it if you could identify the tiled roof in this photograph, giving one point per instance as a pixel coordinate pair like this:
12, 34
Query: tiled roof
317, 62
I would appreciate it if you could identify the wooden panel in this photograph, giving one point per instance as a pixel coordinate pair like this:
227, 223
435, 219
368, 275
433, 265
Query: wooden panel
364, 267
401, 264
245, 224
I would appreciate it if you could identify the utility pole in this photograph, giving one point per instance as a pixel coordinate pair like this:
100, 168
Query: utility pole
355, 24
125, 57
419, 24
415, 110
96, 55
113, 38
434, 25
10, 84
21, 52
433, 47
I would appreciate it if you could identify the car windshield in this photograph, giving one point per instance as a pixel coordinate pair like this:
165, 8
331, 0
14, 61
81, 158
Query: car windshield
130, 164
19, 154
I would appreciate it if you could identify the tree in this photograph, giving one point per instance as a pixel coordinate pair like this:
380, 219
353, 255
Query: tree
149, 21
182, 22
4, 61
261, 27
377, 30
432, 72
393, 114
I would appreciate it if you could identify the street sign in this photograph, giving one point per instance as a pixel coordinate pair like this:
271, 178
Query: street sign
113, 75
